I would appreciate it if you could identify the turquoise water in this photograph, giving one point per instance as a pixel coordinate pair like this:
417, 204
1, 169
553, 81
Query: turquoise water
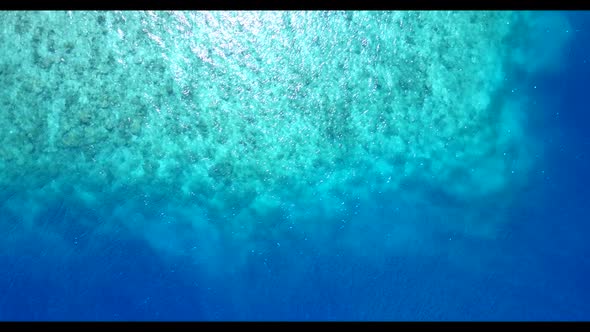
222, 138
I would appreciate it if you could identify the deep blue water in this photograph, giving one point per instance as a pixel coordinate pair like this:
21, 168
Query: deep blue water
540, 268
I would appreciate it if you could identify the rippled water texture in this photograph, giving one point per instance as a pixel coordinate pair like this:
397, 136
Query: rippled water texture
220, 135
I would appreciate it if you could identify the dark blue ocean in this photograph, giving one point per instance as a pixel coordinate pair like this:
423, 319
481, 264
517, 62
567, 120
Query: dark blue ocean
60, 265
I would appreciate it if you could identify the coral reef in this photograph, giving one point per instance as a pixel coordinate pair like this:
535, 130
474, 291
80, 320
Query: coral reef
253, 116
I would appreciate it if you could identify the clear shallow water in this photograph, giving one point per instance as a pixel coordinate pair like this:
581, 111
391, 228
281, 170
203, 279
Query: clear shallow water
264, 166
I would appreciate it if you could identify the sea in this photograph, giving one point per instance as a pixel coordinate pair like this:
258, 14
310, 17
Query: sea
294, 165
